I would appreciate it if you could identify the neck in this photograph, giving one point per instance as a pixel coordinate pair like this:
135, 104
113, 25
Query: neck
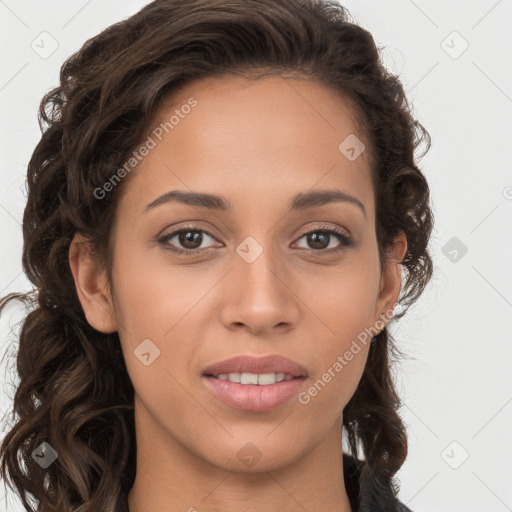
171, 478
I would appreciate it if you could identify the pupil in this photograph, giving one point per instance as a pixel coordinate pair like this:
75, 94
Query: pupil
313, 238
185, 239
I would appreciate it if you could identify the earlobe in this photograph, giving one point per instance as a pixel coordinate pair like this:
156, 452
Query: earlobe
91, 285
391, 279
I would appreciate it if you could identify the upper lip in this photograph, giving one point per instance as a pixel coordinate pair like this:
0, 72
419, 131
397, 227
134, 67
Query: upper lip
250, 364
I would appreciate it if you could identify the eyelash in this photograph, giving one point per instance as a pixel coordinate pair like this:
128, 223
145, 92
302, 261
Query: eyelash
346, 241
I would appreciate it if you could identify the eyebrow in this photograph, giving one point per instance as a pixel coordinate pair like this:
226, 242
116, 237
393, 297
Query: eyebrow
301, 201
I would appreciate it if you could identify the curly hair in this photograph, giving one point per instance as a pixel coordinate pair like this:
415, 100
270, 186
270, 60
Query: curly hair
74, 391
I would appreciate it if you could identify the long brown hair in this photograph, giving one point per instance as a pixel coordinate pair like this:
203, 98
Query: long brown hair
74, 391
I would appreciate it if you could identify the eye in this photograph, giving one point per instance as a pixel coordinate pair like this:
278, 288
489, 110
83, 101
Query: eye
190, 239
320, 239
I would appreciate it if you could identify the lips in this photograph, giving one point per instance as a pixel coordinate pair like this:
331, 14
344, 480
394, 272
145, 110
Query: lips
239, 391
261, 365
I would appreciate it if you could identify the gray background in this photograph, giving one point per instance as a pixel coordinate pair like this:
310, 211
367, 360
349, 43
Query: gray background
456, 383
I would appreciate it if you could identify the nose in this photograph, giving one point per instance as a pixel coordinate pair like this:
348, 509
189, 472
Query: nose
260, 296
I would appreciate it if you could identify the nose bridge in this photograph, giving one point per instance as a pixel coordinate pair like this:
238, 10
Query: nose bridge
256, 267
258, 294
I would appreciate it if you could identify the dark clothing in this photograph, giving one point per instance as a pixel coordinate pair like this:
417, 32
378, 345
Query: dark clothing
365, 497
362, 497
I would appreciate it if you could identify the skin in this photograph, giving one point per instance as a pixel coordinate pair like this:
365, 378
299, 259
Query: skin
258, 144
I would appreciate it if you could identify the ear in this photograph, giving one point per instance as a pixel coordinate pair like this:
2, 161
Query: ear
91, 285
391, 281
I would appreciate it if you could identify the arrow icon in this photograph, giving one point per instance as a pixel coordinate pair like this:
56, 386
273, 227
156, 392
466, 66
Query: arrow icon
352, 147
249, 253
454, 45
249, 454
454, 249
146, 352
44, 44
44, 455
454, 455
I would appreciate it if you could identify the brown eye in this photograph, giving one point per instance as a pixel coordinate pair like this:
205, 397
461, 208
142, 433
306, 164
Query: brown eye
187, 239
190, 239
320, 240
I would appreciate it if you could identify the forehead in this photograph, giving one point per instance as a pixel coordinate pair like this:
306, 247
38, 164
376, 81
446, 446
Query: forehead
266, 139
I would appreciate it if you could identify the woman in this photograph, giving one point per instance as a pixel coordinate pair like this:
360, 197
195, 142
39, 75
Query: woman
220, 211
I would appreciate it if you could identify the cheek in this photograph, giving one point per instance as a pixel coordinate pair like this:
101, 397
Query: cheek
336, 379
152, 296
343, 299
340, 353
163, 305
342, 306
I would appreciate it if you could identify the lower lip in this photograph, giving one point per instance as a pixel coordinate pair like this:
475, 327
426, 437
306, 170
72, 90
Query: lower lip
252, 397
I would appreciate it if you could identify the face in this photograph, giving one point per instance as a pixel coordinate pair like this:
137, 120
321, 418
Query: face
268, 273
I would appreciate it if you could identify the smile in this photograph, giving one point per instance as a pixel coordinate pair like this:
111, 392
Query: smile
260, 379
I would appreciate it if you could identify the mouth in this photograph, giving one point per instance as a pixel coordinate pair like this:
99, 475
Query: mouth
255, 379
254, 397
250, 369
255, 384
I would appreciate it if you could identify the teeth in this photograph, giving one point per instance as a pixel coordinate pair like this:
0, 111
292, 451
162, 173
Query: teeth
250, 378
261, 379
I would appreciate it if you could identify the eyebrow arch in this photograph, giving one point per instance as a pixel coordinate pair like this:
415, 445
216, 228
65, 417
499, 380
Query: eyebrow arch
301, 201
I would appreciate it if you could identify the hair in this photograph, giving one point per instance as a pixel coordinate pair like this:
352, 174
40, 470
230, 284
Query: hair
74, 391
